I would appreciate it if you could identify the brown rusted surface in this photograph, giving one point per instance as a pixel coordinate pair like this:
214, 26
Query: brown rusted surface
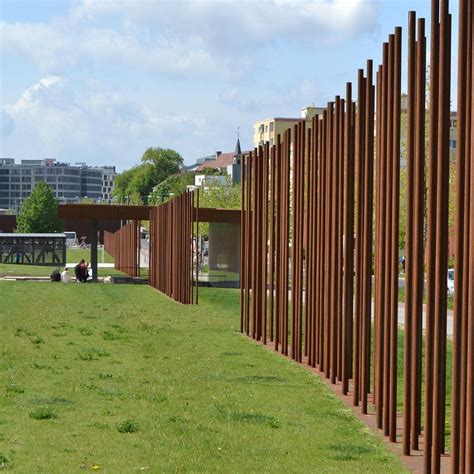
171, 251
124, 247
104, 212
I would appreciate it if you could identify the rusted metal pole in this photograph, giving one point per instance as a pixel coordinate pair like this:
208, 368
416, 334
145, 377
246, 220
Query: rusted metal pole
409, 287
418, 234
431, 233
367, 235
395, 230
360, 136
348, 301
381, 238
459, 243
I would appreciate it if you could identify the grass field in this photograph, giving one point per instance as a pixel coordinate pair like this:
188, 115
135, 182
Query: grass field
122, 379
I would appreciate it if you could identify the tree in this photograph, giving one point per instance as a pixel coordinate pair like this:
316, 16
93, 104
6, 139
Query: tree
40, 211
220, 196
226, 196
165, 162
143, 181
157, 164
172, 186
121, 184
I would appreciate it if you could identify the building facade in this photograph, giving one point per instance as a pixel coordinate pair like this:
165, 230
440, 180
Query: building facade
69, 182
267, 130
230, 163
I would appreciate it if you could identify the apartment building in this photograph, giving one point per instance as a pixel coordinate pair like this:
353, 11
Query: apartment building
267, 130
69, 182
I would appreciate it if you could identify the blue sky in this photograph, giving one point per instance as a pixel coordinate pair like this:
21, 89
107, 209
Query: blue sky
100, 81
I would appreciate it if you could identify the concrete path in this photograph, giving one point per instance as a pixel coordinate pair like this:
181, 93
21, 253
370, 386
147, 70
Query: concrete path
144, 253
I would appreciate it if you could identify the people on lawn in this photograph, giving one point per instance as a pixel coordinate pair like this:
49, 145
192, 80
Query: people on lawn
81, 272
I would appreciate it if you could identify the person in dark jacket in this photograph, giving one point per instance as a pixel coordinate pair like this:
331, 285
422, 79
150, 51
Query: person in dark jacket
80, 271
56, 275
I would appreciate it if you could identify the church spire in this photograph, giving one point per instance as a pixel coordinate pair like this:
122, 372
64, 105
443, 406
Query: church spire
238, 150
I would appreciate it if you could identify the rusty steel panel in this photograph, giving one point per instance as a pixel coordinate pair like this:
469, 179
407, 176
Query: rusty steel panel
171, 248
124, 246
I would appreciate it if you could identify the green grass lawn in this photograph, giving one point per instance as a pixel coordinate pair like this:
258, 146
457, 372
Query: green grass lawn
75, 255
121, 377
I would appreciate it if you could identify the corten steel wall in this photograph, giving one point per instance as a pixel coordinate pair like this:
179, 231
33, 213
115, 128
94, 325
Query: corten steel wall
321, 217
171, 248
124, 247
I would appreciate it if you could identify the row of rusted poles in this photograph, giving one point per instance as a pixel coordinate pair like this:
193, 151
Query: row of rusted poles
311, 195
124, 246
171, 250
462, 409
414, 275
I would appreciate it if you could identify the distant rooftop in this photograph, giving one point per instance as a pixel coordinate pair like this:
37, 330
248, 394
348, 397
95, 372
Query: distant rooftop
48, 162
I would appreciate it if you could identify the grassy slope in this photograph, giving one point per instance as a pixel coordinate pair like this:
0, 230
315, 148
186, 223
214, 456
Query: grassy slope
204, 397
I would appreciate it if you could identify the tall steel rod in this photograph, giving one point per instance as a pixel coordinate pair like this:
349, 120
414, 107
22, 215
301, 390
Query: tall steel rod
348, 302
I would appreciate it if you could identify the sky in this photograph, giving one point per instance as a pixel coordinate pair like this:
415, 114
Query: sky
100, 81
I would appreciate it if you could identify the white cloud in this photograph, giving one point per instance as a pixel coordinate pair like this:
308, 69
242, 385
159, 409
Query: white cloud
106, 125
187, 36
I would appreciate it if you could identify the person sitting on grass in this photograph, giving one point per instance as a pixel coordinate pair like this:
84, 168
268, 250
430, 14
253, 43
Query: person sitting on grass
80, 271
65, 275
55, 275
